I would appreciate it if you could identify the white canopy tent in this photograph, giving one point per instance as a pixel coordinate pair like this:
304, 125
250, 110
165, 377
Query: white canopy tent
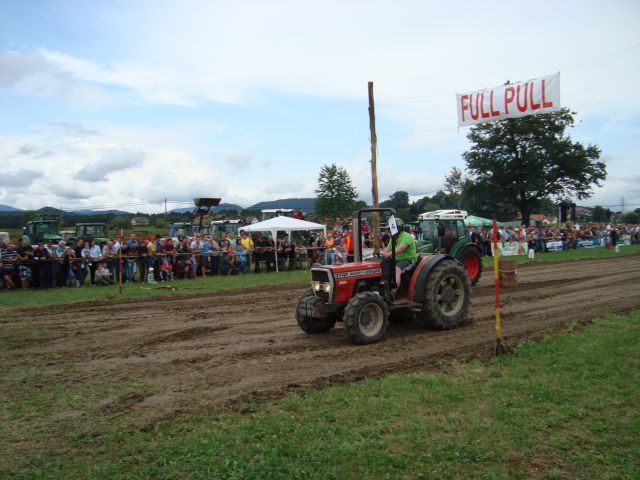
283, 224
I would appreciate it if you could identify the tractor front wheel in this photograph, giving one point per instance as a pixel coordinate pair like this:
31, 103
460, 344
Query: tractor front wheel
308, 303
366, 318
446, 296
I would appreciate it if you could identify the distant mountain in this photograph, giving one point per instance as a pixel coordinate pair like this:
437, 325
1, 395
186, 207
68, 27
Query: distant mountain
306, 204
223, 207
49, 211
9, 208
98, 212
57, 211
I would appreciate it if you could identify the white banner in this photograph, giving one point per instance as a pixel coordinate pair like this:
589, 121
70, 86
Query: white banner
540, 95
507, 249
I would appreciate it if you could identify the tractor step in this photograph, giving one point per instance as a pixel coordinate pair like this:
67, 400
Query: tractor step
404, 303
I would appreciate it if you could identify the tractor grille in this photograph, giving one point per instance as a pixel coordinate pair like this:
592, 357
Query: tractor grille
322, 277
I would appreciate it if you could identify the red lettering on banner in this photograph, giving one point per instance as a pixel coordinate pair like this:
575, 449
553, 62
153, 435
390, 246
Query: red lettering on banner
545, 104
494, 113
534, 106
464, 105
474, 116
509, 96
522, 108
482, 112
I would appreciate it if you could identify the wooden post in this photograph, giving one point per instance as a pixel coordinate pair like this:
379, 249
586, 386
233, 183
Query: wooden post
496, 283
374, 172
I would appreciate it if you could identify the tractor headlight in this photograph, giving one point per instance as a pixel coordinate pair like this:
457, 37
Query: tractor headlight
321, 286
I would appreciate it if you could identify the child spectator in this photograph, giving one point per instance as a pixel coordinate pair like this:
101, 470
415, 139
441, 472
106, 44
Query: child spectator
102, 275
241, 256
229, 264
150, 276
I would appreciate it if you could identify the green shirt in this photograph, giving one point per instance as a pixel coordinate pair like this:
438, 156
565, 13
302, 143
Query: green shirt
410, 252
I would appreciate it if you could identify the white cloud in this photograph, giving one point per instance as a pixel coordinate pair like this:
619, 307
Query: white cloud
20, 178
111, 161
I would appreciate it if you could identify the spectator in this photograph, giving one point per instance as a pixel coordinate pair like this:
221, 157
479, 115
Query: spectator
25, 254
229, 265
225, 245
102, 275
60, 271
110, 256
9, 256
247, 243
214, 250
241, 257
72, 267
41, 258
130, 255
329, 246
81, 262
92, 253
204, 255
259, 252
151, 258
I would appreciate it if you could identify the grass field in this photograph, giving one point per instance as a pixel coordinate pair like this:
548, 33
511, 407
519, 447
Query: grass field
565, 407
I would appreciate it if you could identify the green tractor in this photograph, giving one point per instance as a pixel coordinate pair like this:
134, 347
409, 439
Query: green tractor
41, 230
95, 231
444, 231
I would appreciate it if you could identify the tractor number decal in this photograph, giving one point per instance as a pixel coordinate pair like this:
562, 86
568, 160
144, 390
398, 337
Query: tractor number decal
357, 273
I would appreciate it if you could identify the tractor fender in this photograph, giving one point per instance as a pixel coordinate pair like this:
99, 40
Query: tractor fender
421, 273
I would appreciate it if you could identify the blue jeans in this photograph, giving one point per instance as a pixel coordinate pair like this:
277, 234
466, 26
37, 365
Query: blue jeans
132, 268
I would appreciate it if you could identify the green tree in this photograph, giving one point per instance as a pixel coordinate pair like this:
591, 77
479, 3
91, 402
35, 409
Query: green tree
336, 193
630, 217
455, 183
120, 221
601, 215
29, 216
531, 158
399, 199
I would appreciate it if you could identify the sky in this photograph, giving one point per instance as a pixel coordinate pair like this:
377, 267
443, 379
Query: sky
126, 103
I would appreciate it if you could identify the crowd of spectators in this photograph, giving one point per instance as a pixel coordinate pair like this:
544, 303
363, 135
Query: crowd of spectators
162, 258
569, 235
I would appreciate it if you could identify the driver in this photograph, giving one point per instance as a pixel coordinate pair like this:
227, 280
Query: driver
406, 255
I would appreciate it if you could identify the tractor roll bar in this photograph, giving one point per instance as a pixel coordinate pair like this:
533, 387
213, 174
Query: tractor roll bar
357, 247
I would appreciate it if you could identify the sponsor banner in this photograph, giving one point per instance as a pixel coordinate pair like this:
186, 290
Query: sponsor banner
625, 239
554, 245
589, 242
539, 95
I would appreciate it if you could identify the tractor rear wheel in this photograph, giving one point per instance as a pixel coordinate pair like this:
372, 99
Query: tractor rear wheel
446, 296
472, 260
313, 324
366, 318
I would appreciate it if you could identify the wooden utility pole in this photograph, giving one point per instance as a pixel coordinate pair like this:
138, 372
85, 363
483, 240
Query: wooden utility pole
374, 172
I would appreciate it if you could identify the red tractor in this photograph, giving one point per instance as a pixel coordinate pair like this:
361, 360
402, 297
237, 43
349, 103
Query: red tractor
436, 290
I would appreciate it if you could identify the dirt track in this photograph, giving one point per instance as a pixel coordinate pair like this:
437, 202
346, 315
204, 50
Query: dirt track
220, 347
